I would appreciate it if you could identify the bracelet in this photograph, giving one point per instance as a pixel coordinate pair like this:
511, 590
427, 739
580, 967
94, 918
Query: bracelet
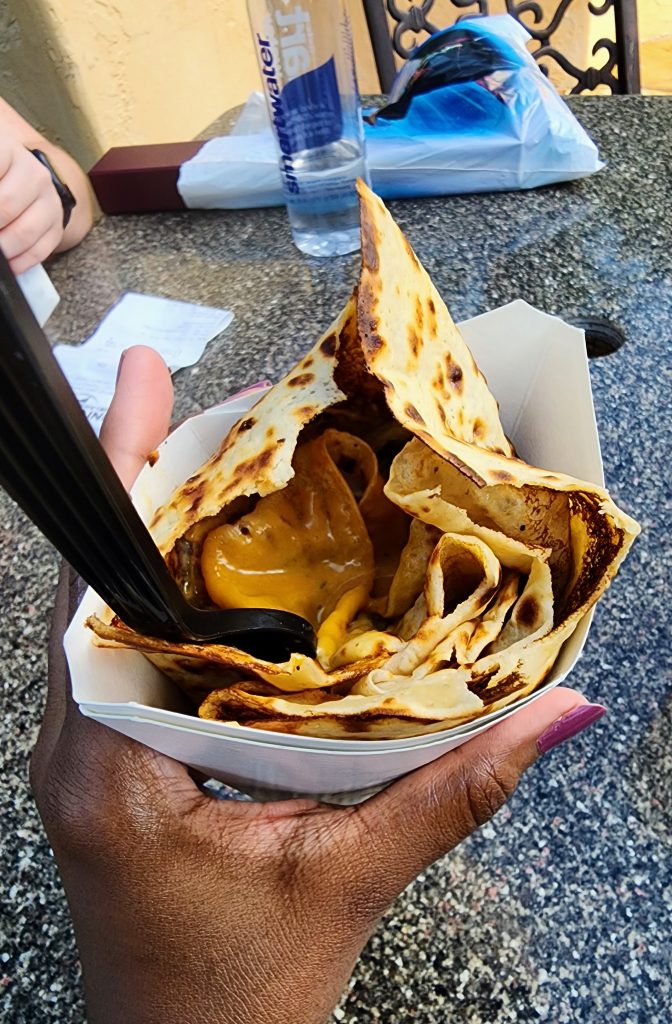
68, 201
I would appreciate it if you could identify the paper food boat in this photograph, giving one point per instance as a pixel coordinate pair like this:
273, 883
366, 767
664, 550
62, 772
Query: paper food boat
536, 367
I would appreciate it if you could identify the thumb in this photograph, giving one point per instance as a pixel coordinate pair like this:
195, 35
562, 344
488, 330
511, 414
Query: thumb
430, 811
139, 415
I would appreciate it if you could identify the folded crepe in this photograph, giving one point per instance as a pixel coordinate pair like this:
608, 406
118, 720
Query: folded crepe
373, 491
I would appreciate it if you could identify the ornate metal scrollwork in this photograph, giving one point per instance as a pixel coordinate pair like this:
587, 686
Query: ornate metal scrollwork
585, 78
414, 19
620, 68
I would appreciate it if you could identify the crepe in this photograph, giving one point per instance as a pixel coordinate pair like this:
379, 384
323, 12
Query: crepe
374, 491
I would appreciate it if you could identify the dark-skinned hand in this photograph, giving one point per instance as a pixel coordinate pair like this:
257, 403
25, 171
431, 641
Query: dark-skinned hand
190, 909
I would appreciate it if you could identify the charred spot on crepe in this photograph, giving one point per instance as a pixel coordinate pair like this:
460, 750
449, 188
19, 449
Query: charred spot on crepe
372, 341
452, 459
367, 321
195, 491
355, 727
245, 471
528, 611
503, 687
413, 413
455, 375
370, 241
603, 541
301, 379
414, 341
328, 346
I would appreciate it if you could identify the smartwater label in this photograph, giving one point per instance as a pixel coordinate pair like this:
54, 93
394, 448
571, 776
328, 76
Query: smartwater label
312, 108
306, 112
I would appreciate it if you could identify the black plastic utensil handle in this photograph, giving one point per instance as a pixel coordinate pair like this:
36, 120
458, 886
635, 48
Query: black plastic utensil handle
53, 465
58, 472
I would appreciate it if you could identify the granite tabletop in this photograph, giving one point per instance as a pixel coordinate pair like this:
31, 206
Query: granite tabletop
559, 909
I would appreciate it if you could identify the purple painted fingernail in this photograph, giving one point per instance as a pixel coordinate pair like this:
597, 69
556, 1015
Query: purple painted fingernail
261, 385
574, 722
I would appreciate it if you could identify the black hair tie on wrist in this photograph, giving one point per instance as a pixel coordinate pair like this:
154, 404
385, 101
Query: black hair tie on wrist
68, 201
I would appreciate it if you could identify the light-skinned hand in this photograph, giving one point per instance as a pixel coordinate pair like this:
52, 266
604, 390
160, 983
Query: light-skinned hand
193, 910
31, 212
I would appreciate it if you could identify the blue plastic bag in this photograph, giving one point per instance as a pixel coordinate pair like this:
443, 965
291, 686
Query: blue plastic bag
470, 111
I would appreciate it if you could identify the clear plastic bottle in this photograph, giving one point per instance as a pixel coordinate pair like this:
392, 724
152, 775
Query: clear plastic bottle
306, 58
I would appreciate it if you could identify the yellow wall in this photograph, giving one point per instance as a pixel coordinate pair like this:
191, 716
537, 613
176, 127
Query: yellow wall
655, 35
98, 74
95, 75
138, 70
40, 78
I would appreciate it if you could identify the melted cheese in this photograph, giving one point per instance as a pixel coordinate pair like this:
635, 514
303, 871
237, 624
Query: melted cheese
300, 550
332, 632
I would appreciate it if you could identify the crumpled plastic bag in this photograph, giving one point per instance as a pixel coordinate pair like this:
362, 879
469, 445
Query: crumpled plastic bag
470, 111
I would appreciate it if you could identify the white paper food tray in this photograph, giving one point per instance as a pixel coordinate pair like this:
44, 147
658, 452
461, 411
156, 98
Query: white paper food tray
537, 368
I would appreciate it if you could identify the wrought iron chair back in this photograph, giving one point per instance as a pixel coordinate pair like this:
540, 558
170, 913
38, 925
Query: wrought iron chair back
620, 70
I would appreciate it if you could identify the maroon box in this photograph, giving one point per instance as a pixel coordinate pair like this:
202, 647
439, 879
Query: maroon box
141, 179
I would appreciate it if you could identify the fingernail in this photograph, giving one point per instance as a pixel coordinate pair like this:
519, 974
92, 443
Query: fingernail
574, 722
121, 362
261, 385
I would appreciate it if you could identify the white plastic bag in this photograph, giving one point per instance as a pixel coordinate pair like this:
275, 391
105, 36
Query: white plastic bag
470, 111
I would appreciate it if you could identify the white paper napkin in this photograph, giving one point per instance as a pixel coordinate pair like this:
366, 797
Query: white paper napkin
178, 331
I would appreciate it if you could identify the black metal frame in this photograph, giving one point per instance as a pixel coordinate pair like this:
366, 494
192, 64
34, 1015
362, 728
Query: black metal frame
620, 71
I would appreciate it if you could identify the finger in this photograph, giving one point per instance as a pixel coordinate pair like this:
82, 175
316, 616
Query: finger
23, 180
54, 713
7, 157
69, 592
430, 811
75, 757
37, 253
34, 234
136, 423
139, 415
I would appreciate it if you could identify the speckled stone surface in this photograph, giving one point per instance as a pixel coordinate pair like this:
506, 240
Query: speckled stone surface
558, 910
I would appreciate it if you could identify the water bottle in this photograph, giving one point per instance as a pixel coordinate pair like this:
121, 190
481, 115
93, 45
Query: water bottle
306, 59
